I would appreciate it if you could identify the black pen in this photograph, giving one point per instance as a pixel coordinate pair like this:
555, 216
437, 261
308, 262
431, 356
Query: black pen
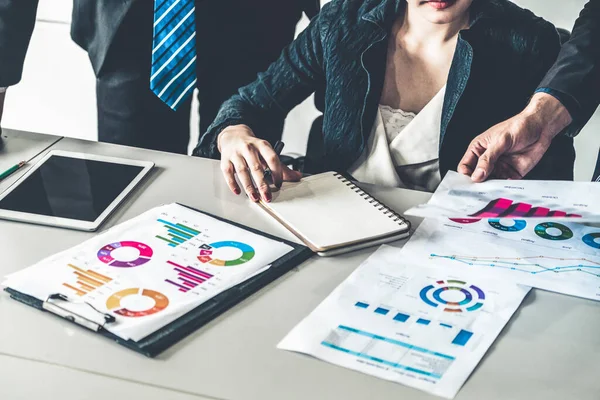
267, 173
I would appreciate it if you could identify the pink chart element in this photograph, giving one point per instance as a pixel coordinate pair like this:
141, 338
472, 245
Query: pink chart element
105, 254
189, 277
505, 208
465, 220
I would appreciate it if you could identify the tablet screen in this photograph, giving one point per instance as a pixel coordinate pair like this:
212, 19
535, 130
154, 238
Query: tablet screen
71, 188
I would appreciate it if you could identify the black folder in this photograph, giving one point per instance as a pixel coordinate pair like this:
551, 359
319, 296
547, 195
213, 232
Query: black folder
172, 333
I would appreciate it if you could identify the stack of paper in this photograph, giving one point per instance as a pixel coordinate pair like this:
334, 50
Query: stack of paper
425, 315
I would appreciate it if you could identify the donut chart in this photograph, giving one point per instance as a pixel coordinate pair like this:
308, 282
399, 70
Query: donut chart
518, 225
105, 254
590, 239
542, 231
472, 296
113, 303
207, 250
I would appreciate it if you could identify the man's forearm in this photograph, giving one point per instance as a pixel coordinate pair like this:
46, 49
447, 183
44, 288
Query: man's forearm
548, 113
576, 73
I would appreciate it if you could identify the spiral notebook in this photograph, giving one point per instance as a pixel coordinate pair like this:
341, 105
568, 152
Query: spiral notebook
332, 215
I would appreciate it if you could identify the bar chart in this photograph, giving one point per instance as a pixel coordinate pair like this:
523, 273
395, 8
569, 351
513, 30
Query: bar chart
87, 280
176, 233
460, 339
188, 277
507, 208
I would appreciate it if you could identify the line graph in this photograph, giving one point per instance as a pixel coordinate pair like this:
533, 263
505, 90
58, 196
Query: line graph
531, 264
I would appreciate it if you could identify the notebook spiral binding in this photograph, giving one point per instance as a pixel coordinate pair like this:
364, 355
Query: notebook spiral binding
372, 200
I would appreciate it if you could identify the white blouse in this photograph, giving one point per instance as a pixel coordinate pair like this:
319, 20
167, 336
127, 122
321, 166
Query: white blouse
403, 148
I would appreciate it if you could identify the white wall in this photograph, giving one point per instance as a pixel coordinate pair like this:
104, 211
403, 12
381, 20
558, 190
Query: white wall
57, 94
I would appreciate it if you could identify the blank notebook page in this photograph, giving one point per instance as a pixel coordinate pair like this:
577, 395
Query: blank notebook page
328, 212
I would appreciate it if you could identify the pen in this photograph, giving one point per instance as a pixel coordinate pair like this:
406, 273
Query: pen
278, 147
11, 170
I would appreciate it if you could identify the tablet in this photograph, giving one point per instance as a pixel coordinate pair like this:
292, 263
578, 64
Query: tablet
72, 190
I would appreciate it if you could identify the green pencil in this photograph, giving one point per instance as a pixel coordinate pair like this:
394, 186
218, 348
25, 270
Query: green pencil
11, 170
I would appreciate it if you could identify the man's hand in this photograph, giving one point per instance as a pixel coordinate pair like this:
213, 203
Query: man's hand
510, 149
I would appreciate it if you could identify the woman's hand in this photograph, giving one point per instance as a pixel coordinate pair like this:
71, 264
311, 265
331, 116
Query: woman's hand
244, 154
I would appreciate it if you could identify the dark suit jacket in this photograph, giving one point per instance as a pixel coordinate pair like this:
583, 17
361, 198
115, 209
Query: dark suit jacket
576, 73
95, 23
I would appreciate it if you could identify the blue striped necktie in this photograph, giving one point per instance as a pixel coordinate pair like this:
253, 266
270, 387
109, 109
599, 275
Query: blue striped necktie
173, 72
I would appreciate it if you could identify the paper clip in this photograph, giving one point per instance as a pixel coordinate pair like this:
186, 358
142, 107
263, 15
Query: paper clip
51, 306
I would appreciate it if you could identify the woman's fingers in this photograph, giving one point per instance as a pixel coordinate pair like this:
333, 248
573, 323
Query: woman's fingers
257, 171
229, 173
243, 173
272, 160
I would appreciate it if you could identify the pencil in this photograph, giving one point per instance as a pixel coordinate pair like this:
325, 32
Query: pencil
12, 170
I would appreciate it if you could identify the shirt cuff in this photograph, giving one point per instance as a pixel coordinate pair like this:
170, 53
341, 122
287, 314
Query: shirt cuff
566, 100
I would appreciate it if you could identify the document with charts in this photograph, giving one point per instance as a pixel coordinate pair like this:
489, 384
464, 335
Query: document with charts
422, 327
459, 197
562, 257
150, 270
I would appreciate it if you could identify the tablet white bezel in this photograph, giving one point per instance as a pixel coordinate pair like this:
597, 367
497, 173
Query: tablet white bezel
67, 222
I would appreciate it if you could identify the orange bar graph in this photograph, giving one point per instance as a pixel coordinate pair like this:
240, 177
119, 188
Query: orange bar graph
77, 291
76, 268
87, 281
99, 276
88, 287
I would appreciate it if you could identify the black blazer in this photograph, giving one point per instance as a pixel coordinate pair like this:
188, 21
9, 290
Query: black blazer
95, 23
576, 73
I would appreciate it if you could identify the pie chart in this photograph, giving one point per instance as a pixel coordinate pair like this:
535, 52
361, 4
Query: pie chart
245, 253
107, 256
136, 297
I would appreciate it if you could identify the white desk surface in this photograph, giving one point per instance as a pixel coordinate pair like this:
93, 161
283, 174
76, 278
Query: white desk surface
549, 350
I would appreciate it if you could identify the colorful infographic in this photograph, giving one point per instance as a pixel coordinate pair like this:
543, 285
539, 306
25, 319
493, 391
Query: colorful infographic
453, 295
176, 233
149, 264
207, 253
114, 302
105, 254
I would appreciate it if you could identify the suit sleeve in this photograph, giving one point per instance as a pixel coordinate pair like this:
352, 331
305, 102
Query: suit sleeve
17, 19
575, 76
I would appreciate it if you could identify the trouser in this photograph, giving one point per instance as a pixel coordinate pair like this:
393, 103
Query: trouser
235, 40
